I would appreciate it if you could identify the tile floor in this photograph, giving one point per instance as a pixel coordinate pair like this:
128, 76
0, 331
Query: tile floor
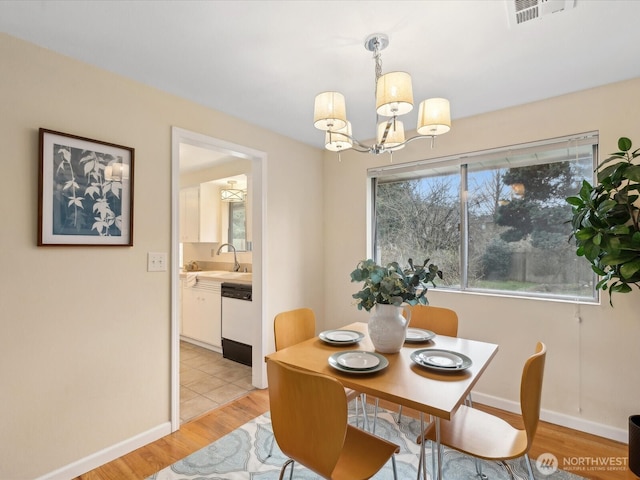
207, 380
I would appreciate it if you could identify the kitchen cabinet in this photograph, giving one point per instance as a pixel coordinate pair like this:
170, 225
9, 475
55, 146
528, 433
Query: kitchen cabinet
200, 214
190, 214
202, 314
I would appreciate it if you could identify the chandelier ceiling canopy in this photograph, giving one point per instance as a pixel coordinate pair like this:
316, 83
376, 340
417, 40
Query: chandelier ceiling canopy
394, 97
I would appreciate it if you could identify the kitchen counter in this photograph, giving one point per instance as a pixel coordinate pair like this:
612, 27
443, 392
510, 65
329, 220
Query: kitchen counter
219, 276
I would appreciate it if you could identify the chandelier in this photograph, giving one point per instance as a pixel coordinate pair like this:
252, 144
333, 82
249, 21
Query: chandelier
232, 194
394, 97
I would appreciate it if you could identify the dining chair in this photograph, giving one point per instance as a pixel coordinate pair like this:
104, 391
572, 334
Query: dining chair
309, 416
488, 437
295, 326
439, 320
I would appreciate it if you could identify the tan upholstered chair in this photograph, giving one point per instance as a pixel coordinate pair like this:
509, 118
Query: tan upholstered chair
309, 419
486, 436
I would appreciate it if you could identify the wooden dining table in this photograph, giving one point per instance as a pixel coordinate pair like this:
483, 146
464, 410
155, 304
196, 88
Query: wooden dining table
429, 391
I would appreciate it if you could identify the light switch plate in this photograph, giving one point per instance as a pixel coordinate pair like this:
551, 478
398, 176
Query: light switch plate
156, 262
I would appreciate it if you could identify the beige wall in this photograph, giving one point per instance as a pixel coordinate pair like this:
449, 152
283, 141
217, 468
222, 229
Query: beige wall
591, 379
85, 343
85, 331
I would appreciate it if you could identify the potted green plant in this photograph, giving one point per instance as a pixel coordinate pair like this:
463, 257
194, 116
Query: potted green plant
605, 222
389, 289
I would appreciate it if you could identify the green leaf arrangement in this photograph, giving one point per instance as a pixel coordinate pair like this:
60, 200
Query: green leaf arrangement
393, 285
605, 221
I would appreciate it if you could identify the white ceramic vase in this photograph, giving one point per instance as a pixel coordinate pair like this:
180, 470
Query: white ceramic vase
388, 327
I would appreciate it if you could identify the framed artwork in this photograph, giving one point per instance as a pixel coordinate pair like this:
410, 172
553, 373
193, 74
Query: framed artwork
85, 191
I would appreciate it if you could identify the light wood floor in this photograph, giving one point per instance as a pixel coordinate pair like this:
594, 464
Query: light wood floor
139, 464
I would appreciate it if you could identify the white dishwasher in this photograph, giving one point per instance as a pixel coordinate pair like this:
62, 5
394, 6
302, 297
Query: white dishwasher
237, 322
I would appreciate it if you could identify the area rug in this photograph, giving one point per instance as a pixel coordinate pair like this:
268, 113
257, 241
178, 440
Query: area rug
244, 455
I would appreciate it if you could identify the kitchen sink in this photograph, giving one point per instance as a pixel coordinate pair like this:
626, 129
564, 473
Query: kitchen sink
225, 275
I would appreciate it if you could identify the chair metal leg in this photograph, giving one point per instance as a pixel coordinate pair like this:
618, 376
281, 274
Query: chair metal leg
508, 468
273, 441
528, 462
399, 414
479, 473
284, 468
393, 464
365, 418
362, 399
355, 402
375, 415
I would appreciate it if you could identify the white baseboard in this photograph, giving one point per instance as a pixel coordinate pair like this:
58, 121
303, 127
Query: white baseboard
108, 454
587, 426
116, 451
198, 343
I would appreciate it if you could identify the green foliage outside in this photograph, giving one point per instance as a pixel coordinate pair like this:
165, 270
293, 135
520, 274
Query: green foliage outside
421, 217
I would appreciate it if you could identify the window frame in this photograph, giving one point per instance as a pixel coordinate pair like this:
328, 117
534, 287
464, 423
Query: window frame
411, 170
230, 223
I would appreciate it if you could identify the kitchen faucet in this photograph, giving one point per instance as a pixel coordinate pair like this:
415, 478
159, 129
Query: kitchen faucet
236, 265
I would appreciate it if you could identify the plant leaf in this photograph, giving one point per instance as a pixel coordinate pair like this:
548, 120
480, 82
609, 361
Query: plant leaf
624, 144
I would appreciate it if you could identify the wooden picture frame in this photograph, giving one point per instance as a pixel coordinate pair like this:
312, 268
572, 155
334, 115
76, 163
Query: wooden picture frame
85, 191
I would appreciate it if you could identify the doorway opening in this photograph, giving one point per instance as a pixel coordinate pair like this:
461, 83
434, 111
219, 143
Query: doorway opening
223, 157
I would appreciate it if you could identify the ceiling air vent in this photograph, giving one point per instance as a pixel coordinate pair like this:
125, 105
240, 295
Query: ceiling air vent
522, 11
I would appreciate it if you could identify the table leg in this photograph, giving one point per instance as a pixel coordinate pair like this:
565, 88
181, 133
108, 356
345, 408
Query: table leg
439, 448
422, 463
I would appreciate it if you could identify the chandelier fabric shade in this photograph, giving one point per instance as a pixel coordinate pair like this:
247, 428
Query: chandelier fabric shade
329, 112
394, 97
339, 139
434, 117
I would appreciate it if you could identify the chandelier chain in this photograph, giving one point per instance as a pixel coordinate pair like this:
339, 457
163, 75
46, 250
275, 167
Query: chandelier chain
378, 58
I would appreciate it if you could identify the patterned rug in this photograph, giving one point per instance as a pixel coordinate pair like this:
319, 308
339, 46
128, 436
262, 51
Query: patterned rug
244, 454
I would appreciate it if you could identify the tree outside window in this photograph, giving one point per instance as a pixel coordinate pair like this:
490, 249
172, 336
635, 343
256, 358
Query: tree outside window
496, 223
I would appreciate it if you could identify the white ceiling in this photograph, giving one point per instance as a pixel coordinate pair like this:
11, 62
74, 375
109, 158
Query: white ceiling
264, 61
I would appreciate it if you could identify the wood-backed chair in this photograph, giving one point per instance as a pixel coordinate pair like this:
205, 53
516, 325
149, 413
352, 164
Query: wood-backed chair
295, 326
309, 416
439, 320
486, 436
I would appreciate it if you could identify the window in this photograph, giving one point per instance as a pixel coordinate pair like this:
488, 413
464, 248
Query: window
493, 221
237, 225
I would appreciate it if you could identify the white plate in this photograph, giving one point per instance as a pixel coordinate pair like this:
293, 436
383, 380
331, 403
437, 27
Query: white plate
358, 360
334, 361
341, 337
418, 335
444, 360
